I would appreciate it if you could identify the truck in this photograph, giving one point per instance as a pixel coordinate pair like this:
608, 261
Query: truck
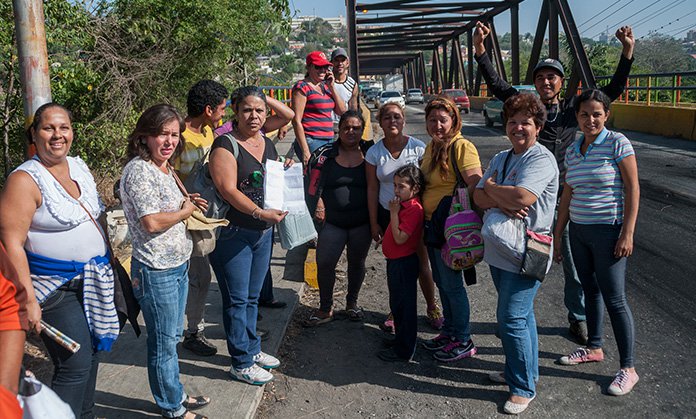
394, 82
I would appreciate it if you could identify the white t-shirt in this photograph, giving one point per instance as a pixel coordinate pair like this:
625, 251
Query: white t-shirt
345, 92
386, 165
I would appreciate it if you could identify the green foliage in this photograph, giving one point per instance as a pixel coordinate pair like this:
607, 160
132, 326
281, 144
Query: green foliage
289, 65
109, 63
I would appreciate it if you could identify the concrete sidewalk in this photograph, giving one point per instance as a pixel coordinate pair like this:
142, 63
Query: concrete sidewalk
122, 385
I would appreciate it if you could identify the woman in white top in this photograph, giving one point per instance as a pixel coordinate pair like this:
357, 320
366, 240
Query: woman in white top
47, 213
155, 209
394, 151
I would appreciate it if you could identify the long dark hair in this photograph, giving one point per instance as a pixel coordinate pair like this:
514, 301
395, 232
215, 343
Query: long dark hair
150, 124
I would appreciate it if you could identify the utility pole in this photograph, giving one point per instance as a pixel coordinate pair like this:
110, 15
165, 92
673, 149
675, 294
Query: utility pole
33, 56
352, 39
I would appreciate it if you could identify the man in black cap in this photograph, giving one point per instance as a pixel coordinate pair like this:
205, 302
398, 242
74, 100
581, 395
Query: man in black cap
556, 135
346, 86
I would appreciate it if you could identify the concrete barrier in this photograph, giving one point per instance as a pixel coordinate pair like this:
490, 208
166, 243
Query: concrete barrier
667, 121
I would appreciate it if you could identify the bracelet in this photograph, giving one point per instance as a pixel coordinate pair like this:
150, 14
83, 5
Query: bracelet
254, 213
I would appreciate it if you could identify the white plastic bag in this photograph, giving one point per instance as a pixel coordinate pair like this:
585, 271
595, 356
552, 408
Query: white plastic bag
505, 234
40, 402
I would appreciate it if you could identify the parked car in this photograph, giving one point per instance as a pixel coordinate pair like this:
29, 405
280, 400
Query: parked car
414, 95
460, 99
493, 109
389, 96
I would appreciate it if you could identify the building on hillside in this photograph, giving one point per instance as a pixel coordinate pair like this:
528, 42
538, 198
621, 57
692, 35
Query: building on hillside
691, 35
335, 22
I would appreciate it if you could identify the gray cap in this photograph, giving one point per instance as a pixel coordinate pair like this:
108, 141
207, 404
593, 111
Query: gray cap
549, 63
338, 52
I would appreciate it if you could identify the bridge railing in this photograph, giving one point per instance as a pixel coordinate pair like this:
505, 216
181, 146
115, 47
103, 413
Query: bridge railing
652, 89
658, 88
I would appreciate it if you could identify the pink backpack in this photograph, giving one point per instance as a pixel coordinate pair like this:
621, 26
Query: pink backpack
463, 246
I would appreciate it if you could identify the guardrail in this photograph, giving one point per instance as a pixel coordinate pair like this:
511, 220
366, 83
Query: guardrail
658, 88
650, 88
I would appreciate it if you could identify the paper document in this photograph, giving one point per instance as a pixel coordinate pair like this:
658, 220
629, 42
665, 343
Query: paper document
284, 188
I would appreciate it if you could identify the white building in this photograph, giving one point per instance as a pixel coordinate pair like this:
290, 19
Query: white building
335, 22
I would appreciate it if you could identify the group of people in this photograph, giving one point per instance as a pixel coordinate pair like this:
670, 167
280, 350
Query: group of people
389, 193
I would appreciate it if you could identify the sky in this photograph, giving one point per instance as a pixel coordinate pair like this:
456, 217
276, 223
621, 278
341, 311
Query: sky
671, 17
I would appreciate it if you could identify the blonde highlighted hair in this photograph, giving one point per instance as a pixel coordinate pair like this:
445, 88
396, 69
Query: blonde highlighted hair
440, 150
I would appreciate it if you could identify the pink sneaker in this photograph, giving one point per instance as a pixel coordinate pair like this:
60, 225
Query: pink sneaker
623, 383
579, 356
388, 325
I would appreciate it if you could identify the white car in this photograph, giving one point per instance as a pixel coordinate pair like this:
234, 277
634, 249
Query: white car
389, 96
414, 95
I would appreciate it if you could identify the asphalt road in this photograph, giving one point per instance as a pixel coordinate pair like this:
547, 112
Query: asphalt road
331, 371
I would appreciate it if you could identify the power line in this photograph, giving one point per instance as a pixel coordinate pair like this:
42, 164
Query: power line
598, 14
658, 13
680, 30
636, 13
675, 20
602, 20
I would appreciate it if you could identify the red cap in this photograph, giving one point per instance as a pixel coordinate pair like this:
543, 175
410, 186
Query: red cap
317, 58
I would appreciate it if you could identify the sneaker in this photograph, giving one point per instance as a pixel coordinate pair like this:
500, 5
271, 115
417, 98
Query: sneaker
579, 356
254, 375
388, 325
389, 355
578, 330
435, 318
199, 345
623, 383
456, 350
266, 361
437, 343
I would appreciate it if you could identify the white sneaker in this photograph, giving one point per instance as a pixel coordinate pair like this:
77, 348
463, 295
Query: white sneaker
253, 375
266, 361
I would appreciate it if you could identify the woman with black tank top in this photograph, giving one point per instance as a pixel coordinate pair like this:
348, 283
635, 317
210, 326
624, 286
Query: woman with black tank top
337, 195
240, 259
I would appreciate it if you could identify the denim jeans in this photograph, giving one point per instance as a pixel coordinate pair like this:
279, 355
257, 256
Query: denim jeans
330, 244
603, 278
74, 375
517, 329
200, 276
312, 143
240, 261
162, 297
573, 296
453, 296
402, 277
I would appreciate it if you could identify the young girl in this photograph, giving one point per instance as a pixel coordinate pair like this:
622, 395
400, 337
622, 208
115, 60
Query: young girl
400, 245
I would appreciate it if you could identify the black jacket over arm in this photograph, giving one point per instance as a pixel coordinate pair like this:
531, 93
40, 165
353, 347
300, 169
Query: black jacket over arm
559, 130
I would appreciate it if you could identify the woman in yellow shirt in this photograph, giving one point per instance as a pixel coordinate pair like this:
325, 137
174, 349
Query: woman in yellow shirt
444, 125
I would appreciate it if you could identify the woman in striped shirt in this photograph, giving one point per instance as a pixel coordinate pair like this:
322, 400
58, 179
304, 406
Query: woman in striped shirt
600, 196
313, 100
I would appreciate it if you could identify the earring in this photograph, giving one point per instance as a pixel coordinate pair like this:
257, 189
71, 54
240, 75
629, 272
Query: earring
143, 141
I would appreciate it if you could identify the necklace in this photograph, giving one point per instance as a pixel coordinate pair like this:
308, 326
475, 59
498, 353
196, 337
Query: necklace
555, 113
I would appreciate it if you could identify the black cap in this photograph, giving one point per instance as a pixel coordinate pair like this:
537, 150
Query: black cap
549, 63
338, 52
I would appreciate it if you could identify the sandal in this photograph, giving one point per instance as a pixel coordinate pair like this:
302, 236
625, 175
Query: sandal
355, 314
197, 403
316, 319
195, 416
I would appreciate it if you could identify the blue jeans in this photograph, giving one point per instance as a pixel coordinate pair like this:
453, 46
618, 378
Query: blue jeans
453, 296
603, 278
573, 297
312, 143
517, 329
74, 375
240, 261
162, 296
